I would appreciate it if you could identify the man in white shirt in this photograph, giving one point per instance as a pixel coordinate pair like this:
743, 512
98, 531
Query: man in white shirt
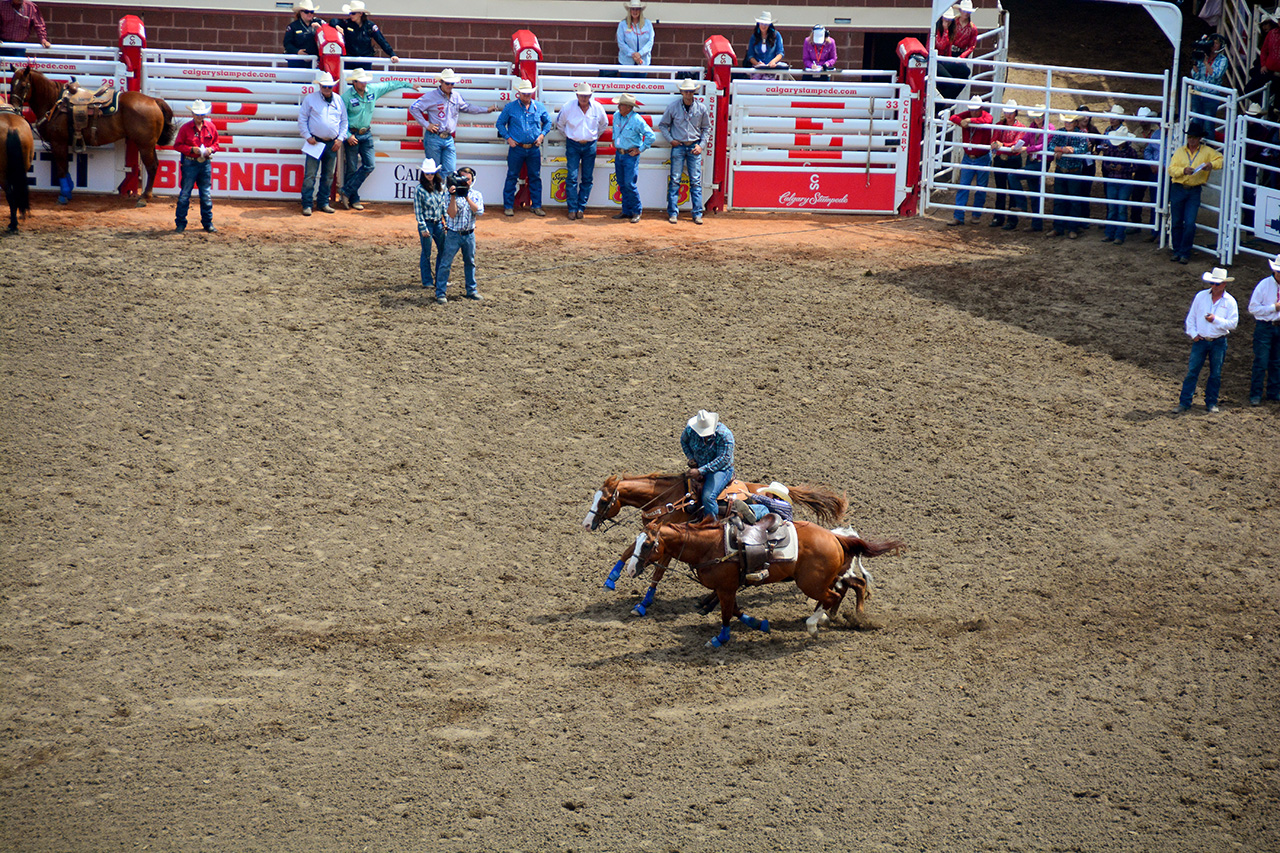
1264, 305
1212, 316
582, 120
322, 123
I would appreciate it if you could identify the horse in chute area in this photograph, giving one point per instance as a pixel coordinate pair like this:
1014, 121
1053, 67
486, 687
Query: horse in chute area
141, 119
17, 146
822, 567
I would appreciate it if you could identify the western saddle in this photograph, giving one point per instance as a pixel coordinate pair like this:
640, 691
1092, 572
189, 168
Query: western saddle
85, 108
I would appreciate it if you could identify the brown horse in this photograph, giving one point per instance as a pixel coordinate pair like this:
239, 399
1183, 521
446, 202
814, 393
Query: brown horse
15, 161
822, 568
141, 119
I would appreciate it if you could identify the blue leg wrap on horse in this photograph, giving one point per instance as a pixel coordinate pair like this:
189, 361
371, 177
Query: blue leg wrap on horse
65, 187
648, 596
611, 582
721, 638
753, 622
639, 610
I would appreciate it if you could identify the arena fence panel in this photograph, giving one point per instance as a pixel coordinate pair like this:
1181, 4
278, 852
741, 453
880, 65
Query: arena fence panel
1214, 108
1252, 189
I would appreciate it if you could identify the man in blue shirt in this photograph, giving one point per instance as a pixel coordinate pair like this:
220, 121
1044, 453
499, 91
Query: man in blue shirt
708, 450
524, 123
631, 137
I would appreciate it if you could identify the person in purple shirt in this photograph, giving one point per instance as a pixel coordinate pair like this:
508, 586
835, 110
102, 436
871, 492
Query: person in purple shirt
437, 111
818, 54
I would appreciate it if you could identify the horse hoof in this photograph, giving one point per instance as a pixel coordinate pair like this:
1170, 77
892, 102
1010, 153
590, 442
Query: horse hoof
639, 610
610, 584
142, 202
812, 628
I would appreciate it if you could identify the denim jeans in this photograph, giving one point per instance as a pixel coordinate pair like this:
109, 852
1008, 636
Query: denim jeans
1117, 214
1008, 176
627, 170
359, 165
580, 159
970, 175
531, 159
1266, 361
1067, 187
195, 174
440, 150
713, 484
325, 165
1184, 207
1215, 351
684, 160
434, 236
453, 241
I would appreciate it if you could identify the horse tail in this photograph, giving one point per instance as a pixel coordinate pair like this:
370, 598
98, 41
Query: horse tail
15, 177
828, 506
170, 131
855, 546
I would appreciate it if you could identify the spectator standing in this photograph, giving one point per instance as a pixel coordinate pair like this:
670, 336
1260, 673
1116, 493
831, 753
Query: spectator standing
437, 111
196, 143
1034, 170
359, 100
19, 21
964, 38
430, 206
1268, 58
581, 120
948, 69
1088, 126
1210, 68
1148, 140
1069, 148
631, 137
358, 35
975, 136
300, 35
1007, 150
685, 123
708, 451
1264, 305
635, 36
819, 54
1256, 154
465, 206
1119, 163
322, 123
524, 123
1212, 316
764, 49
1189, 170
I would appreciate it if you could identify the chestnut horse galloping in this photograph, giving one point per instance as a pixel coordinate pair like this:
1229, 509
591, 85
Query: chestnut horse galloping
141, 119
822, 568
16, 149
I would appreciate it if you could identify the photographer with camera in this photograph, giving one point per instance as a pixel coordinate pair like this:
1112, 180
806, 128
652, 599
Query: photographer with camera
465, 206
1208, 65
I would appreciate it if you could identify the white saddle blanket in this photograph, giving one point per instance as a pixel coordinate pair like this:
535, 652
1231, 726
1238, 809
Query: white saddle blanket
783, 555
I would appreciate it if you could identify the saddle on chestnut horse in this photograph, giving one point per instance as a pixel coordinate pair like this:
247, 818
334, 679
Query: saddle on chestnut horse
85, 108
770, 540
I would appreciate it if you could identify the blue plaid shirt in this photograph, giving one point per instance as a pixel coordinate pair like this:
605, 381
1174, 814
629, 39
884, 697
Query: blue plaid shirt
1075, 141
465, 220
713, 453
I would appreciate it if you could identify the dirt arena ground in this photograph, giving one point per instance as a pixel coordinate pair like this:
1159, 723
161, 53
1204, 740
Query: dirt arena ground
292, 557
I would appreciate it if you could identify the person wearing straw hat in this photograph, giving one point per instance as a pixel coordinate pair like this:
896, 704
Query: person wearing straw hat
1264, 305
1189, 170
524, 123
1069, 148
1007, 149
635, 35
631, 138
764, 48
437, 111
300, 35
359, 100
818, 55
1212, 316
774, 498
1146, 139
582, 121
430, 206
322, 123
1119, 164
708, 451
359, 34
1036, 137
685, 123
196, 143
975, 136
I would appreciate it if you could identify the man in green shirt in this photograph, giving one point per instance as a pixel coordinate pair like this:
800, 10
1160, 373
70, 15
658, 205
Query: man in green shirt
359, 100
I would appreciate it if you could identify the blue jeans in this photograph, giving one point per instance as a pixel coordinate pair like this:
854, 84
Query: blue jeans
325, 165
627, 170
195, 174
970, 175
1266, 360
359, 165
1117, 214
1066, 188
453, 241
580, 159
684, 160
531, 159
713, 484
440, 150
434, 236
1008, 176
1215, 351
1184, 207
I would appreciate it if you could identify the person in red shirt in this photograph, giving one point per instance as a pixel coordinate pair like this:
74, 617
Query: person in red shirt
19, 21
975, 166
1007, 149
197, 142
964, 38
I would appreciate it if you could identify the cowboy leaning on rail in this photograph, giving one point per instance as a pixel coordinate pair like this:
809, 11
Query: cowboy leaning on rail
360, 99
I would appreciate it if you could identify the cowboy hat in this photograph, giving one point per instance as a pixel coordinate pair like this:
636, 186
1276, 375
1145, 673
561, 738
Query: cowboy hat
974, 104
627, 99
966, 6
1067, 118
583, 88
1216, 276
1274, 263
1195, 129
765, 18
1037, 111
524, 87
326, 80
1252, 109
1010, 106
304, 6
200, 108
777, 490
1117, 110
704, 423
353, 7
949, 14
429, 166
688, 85
359, 75
634, 4
1145, 112
449, 76
1119, 135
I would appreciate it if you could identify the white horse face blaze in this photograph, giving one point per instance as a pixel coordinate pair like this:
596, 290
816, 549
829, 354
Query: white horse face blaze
633, 562
595, 507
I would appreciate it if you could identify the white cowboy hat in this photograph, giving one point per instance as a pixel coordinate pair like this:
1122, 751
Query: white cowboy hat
627, 99
449, 76
1067, 118
704, 423
765, 18
1216, 276
1119, 135
974, 104
1274, 263
326, 79
1117, 110
949, 14
966, 6
1253, 109
353, 6
583, 88
429, 166
1145, 112
304, 6
1010, 106
777, 490
359, 75
200, 108
635, 4
1037, 111
688, 85
525, 87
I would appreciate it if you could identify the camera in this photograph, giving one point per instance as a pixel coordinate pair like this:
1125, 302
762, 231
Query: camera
1202, 46
459, 183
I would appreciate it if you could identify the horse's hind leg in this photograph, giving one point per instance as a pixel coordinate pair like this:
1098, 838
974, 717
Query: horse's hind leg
152, 161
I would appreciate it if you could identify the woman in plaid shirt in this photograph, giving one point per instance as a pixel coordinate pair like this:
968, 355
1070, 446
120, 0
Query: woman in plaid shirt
429, 203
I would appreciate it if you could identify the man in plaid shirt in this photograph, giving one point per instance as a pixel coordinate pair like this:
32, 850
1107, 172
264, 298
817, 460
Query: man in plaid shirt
708, 448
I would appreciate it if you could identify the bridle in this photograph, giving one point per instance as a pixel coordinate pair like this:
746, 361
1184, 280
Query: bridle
648, 511
20, 90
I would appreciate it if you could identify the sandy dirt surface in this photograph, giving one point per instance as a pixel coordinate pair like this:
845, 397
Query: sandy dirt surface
292, 557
